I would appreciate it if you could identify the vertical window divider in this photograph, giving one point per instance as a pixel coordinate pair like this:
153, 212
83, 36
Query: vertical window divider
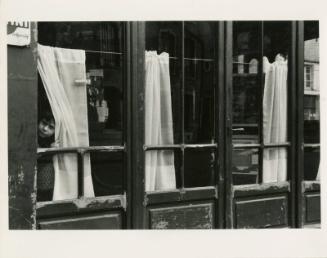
262, 85
292, 124
127, 122
182, 172
228, 103
137, 73
220, 124
298, 114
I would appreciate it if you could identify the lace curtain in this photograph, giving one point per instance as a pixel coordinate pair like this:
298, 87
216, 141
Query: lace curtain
159, 164
275, 119
59, 69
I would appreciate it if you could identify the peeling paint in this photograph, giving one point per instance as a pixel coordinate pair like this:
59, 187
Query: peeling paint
20, 176
161, 225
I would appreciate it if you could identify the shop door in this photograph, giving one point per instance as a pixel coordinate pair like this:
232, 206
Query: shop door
106, 158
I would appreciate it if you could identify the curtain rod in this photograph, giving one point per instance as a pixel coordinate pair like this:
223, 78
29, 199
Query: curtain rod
103, 52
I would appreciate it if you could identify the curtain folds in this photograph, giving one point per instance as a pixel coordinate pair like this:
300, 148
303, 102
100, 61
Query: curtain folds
275, 119
159, 165
59, 69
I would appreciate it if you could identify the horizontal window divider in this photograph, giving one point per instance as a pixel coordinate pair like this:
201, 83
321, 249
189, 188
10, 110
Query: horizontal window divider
180, 146
246, 145
199, 59
277, 144
193, 59
81, 150
262, 145
103, 52
311, 145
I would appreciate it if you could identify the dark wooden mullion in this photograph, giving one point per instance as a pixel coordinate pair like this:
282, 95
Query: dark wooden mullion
182, 172
46, 151
180, 146
127, 181
258, 145
228, 104
311, 145
262, 84
298, 113
137, 72
292, 126
220, 124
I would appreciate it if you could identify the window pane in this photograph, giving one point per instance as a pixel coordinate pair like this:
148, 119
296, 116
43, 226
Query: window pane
246, 81
162, 170
167, 37
245, 167
311, 107
199, 90
46, 174
107, 173
274, 165
199, 167
99, 36
276, 49
105, 98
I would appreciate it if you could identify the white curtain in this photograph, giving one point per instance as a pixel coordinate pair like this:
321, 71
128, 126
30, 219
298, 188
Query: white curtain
275, 119
59, 69
159, 165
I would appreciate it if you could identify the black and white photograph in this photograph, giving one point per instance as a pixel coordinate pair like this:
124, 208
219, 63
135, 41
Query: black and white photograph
181, 125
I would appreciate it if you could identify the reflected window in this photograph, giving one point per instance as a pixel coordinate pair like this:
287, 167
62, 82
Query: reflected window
311, 106
260, 93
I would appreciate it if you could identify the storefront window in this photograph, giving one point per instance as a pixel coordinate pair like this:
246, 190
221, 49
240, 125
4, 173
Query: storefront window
99, 103
260, 94
182, 55
311, 108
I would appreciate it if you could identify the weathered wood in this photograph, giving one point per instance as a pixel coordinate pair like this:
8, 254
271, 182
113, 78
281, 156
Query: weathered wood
112, 220
311, 186
299, 176
179, 195
22, 124
292, 126
51, 151
60, 208
228, 105
137, 42
220, 129
312, 205
128, 133
189, 216
256, 190
261, 212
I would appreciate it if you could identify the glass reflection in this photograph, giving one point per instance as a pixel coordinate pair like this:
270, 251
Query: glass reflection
311, 105
245, 166
199, 90
105, 99
246, 81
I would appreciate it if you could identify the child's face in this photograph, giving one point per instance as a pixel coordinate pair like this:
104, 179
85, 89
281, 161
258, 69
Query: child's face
46, 128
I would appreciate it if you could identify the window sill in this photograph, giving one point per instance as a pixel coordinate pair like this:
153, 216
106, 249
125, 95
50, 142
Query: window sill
73, 206
311, 186
261, 189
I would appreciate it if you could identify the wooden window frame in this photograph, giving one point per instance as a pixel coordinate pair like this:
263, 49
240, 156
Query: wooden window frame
47, 208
